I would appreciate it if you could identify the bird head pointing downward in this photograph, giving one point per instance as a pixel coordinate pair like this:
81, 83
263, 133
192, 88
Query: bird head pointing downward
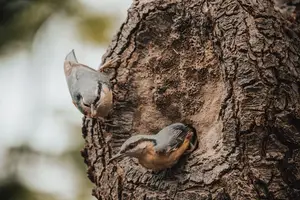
134, 146
90, 90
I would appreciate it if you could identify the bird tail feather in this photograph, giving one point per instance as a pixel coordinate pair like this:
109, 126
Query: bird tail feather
71, 56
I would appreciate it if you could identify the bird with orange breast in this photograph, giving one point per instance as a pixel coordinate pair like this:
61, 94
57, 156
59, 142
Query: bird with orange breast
162, 150
90, 90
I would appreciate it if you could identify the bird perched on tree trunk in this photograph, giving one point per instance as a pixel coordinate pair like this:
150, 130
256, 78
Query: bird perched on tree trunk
160, 151
90, 90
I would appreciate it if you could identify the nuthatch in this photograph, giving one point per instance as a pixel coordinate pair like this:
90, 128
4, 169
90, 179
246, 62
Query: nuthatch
160, 151
90, 90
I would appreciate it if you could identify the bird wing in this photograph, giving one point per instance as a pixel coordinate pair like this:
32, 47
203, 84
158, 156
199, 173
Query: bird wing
170, 139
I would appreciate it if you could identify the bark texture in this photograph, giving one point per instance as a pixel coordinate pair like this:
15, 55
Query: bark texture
228, 67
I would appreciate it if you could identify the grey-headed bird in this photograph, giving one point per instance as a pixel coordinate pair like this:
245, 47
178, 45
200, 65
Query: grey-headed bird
90, 90
162, 150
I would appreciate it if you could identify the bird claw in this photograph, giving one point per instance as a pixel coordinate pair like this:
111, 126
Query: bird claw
109, 64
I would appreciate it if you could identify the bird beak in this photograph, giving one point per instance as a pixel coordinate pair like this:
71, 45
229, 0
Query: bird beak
117, 156
93, 111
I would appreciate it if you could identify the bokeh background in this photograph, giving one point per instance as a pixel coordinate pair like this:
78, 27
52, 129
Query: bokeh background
40, 129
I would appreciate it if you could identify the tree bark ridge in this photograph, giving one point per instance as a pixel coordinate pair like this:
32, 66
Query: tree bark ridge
231, 69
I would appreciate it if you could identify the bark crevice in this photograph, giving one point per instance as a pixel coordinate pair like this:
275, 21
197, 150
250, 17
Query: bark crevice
231, 69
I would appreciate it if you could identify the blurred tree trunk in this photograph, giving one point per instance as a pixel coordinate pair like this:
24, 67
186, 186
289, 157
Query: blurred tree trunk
229, 67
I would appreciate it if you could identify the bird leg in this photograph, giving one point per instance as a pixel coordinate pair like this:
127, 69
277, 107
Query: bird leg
109, 64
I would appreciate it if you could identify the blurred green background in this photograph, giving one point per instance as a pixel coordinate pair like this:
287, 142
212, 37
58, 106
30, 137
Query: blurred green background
40, 129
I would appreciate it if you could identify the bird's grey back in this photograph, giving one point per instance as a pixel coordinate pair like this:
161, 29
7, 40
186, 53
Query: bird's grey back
85, 81
171, 136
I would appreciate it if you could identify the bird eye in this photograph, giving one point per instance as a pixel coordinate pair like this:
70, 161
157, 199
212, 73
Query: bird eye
85, 104
131, 146
78, 97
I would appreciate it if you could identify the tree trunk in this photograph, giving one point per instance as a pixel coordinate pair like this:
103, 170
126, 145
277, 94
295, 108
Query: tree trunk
228, 67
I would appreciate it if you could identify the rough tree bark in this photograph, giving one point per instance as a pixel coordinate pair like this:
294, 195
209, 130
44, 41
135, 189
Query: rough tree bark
229, 67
